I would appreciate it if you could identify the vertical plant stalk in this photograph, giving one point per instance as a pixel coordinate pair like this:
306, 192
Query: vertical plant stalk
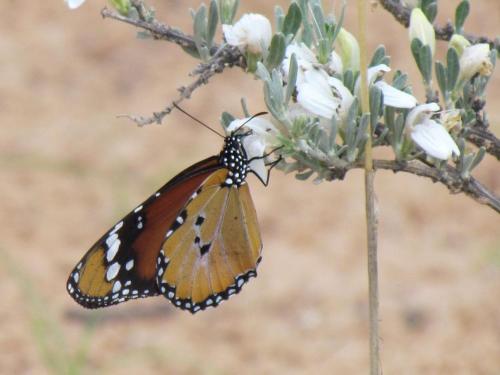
371, 215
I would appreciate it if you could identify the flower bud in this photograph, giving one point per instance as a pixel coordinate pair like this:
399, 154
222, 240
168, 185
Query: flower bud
459, 43
421, 29
348, 49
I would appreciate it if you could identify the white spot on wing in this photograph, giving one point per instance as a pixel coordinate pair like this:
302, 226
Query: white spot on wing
111, 239
129, 265
116, 228
138, 208
117, 286
113, 249
112, 271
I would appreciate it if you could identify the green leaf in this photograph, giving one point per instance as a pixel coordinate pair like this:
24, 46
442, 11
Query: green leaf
423, 58
262, 72
431, 12
376, 105
292, 21
200, 23
400, 80
441, 75
227, 10
304, 175
318, 20
333, 132
453, 66
306, 36
226, 119
339, 24
350, 79
192, 51
461, 14
292, 78
213, 20
279, 17
429, 7
276, 51
416, 46
379, 57
478, 157
350, 126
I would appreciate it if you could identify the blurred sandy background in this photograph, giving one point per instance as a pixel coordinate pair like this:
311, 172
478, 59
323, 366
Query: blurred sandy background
69, 169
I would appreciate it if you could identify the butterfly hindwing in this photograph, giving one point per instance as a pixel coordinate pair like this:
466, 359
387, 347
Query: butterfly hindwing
122, 264
215, 250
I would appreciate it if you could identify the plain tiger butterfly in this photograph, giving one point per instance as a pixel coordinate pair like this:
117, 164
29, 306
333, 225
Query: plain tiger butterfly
195, 241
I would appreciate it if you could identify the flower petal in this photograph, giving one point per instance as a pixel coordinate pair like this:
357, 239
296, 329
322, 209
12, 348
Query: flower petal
258, 125
396, 98
434, 140
316, 96
475, 59
252, 32
420, 114
255, 147
346, 98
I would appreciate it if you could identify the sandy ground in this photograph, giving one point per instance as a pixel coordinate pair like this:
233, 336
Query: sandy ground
69, 168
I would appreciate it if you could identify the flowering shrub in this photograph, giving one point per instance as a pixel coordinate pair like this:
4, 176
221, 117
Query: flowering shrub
311, 71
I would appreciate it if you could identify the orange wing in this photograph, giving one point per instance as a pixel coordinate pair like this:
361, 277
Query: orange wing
121, 265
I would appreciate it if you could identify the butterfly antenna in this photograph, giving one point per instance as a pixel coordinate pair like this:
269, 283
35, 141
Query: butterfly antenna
198, 121
250, 119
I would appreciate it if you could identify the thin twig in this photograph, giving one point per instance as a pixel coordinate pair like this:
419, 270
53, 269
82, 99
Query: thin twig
402, 14
222, 57
448, 176
482, 137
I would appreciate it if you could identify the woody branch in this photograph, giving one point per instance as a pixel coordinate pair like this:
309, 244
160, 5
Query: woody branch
226, 56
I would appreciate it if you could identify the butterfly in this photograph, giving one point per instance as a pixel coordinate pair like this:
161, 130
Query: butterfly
195, 241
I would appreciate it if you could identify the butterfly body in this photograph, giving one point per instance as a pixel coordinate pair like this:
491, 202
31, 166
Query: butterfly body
196, 240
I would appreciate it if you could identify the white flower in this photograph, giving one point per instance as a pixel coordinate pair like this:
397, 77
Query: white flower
263, 134
421, 29
73, 4
392, 96
306, 60
475, 59
430, 135
316, 95
252, 32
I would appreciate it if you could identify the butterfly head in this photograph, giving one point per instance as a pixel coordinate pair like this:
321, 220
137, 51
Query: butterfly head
234, 158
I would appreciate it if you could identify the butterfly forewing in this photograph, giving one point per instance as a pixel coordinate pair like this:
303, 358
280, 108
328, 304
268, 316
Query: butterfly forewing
122, 264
